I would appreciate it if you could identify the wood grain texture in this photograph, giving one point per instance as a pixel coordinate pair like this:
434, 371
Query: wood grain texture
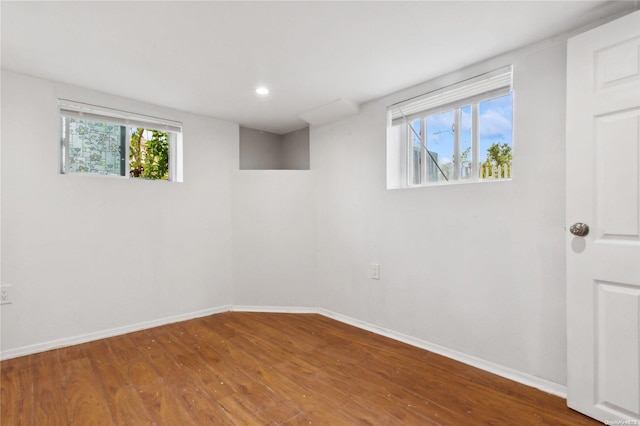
263, 369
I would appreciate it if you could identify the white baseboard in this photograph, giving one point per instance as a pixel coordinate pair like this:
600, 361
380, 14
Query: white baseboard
84, 338
508, 373
275, 309
502, 371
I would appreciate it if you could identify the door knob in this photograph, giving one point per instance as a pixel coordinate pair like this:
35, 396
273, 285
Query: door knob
579, 229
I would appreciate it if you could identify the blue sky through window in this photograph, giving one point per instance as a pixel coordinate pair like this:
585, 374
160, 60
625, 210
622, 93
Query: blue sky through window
495, 125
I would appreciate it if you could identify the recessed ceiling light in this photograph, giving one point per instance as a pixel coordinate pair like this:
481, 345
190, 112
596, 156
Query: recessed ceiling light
262, 91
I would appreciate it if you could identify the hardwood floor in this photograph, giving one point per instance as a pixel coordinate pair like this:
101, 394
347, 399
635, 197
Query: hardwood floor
259, 369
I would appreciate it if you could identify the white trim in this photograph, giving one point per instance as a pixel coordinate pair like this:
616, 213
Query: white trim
489, 85
275, 309
84, 338
502, 371
506, 372
82, 111
497, 369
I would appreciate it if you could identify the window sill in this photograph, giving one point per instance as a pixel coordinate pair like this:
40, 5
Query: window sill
453, 183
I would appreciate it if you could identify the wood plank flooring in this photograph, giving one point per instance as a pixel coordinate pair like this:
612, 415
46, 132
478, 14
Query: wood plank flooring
263, 369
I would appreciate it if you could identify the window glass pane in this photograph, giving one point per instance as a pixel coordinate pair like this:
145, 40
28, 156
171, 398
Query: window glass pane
100, 144
95, 147
416, 145
495, 127
149, 154
440, 141
465, 142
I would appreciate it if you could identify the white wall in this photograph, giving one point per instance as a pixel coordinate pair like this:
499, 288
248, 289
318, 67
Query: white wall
88, 254
274, 226
295, 150
274, 239
476, 268
260, 150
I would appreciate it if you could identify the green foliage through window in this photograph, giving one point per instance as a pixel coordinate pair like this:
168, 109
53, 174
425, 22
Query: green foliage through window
149, 154
105, 141
498, 161
100, 148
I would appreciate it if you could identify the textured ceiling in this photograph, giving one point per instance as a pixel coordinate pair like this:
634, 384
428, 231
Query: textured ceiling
208, 57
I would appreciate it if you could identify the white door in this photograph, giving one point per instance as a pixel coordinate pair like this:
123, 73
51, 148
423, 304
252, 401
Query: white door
603, 191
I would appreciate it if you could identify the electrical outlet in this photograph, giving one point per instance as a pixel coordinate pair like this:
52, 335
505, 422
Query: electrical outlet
5, 295
375, 271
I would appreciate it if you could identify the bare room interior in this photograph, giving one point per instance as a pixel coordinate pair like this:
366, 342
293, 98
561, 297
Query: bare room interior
334, 213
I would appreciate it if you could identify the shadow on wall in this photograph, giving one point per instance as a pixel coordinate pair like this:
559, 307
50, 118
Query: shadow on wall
261, 150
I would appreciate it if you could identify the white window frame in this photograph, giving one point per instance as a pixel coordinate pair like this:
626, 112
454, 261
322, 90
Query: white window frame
471, 92
83, 111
